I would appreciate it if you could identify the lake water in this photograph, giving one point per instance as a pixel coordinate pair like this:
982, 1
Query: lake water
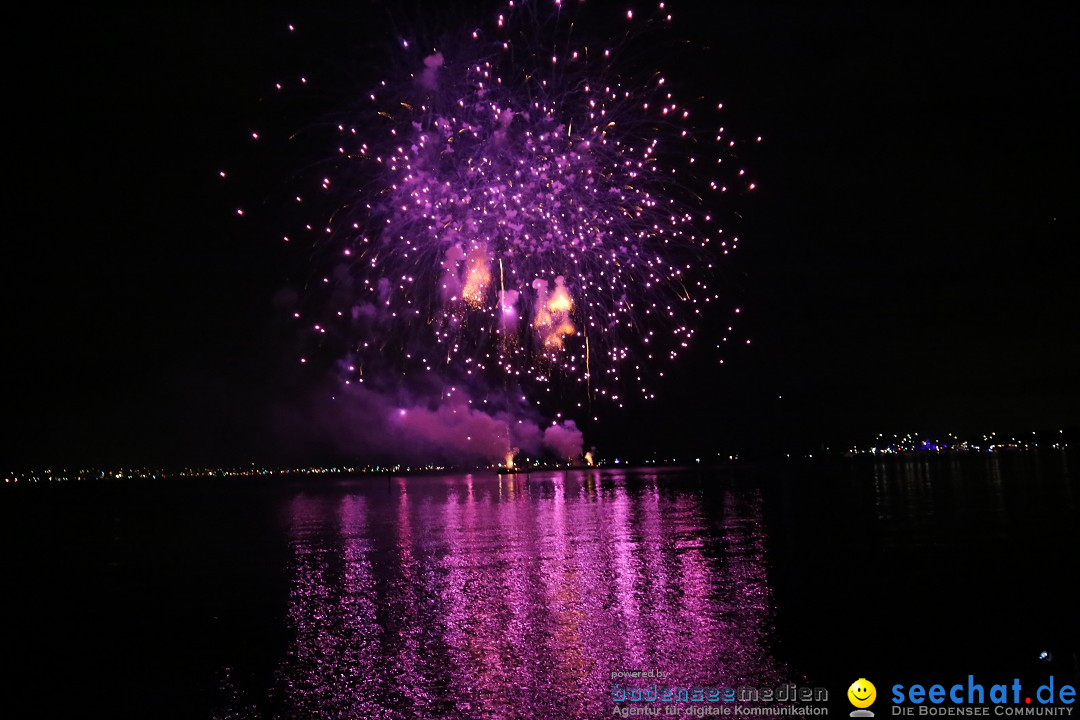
474, 596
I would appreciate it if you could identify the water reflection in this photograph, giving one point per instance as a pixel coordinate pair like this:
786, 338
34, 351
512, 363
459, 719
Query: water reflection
473, 596
984, 494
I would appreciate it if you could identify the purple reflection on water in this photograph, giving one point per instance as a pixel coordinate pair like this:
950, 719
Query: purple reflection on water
471, 596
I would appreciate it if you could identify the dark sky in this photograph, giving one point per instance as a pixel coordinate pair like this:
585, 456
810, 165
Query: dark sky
909, 263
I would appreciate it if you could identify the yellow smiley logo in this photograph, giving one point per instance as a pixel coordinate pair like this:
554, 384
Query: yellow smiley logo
862, 693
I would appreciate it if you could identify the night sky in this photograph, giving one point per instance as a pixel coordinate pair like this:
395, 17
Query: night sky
909, 262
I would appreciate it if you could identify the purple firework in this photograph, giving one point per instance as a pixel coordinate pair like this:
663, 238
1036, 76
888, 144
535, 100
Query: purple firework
523, 205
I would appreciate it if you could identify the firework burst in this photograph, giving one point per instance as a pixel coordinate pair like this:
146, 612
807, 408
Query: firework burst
523, 206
